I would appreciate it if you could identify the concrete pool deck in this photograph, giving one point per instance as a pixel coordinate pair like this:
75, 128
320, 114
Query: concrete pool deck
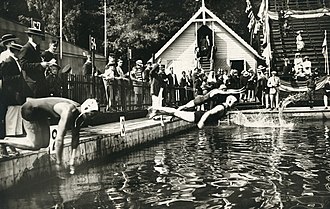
96, 142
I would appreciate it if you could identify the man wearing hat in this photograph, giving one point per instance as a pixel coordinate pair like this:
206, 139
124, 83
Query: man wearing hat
274, 92
12, 92
109, 76
136, 76
33, 67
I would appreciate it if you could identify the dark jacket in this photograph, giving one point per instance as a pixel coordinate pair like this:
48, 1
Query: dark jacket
13, 83
33, 72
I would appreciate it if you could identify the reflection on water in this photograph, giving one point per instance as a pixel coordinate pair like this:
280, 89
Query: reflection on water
217, 167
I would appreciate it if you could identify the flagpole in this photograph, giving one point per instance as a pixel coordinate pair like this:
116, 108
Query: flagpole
61, 29
105, 29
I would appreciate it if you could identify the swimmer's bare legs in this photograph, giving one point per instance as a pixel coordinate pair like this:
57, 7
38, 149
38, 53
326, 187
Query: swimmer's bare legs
184, 115
37, 136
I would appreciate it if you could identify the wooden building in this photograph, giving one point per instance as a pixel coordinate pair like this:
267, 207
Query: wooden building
226, 49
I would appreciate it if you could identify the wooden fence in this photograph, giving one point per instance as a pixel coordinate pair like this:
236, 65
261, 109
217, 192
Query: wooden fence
118, 95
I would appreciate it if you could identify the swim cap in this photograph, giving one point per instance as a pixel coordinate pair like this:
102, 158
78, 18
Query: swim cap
89, 105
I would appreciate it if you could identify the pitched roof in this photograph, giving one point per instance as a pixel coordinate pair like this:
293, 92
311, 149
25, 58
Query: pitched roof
214, 18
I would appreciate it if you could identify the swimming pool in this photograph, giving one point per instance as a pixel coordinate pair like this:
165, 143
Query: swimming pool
217, 167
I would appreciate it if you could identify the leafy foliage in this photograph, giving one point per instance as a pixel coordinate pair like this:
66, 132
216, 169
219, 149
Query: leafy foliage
143, 25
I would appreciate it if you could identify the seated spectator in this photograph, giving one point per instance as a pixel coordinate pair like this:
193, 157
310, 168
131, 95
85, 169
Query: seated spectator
299, 41
300, 75
287, 69
307, 65
286, 28
297, 62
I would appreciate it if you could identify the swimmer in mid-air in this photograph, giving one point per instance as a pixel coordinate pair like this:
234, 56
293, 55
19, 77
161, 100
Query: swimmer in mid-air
36, 113
199, 117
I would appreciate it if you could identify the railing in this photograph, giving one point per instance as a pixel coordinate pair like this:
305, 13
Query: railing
119, 94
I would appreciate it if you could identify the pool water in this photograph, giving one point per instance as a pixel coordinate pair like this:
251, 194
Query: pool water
216, 167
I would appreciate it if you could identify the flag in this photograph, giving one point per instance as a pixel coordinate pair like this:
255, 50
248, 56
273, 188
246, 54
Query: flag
324, 45
325, 53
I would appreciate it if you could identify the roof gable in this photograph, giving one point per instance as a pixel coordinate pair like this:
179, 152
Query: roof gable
208, 15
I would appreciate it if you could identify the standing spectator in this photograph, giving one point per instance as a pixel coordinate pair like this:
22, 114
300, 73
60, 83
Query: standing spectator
311, 85
12, 92
233, 81
146, 74
164, 78
32, 65
307, 65
119, 69
87, 68
273, 84
184, 83
156, 86
251, 85
109, 75
299, 41
190, 89
136, 77
261, 87
172, 85
49, 53
221, 77
245, 76
287, 69
205, 46
326, 95
122, 84
54, 81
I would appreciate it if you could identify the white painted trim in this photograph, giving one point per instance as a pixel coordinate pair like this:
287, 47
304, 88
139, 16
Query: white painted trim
214, 18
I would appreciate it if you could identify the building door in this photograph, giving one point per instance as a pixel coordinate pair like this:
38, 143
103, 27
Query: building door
238, 65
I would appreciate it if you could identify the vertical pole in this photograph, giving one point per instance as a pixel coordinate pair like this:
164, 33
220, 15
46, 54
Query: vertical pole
105, 29
61, 29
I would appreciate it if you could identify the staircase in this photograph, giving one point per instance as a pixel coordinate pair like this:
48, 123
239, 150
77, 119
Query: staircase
276, 5
205, 63
313, 35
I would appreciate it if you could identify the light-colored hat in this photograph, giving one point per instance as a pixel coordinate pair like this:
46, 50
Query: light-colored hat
139, 62
222, 87
16, 46
7, 38
261, 67
111, 61
89, 105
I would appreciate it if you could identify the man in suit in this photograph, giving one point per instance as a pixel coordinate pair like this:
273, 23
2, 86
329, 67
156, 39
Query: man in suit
172, 85
33, 67
12, 92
